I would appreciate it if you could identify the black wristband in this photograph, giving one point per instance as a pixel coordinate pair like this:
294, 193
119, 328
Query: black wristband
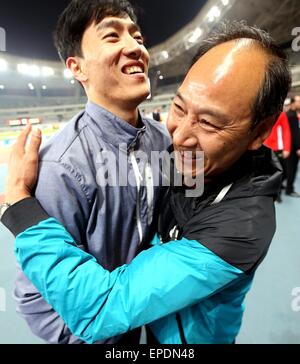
23, 215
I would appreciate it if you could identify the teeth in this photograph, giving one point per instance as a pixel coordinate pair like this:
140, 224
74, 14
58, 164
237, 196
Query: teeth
131, 70
188, 154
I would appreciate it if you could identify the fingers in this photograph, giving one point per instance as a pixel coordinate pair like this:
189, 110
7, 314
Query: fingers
35, 143
22, 139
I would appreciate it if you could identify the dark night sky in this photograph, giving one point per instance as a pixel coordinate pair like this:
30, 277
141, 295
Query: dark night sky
29, 24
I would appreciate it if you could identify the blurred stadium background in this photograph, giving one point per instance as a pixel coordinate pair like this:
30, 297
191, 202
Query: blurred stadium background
44, 93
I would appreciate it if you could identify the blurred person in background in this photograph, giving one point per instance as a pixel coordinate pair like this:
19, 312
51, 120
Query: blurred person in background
293, 160
280, 142
156, 115
287, 104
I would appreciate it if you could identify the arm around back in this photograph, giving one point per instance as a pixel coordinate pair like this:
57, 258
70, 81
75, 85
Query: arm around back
98, 304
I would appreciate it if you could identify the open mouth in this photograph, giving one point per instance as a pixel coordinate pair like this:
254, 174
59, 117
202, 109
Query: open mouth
189, 155
133, 70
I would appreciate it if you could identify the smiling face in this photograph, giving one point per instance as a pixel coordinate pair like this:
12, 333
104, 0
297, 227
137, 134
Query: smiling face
114, 66
213, 108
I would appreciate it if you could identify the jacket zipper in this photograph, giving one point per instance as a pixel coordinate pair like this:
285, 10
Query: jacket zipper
180, 327
150, 192
139, 180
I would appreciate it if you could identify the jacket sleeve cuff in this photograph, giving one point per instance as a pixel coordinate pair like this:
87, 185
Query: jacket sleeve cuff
23, 215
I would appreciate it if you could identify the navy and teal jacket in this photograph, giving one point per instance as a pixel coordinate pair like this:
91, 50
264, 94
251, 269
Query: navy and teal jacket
190, 290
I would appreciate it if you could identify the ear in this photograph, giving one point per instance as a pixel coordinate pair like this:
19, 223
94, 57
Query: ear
261, 133
76, 66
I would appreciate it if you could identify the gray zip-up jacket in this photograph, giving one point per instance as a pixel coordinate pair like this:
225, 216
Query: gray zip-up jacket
92, 180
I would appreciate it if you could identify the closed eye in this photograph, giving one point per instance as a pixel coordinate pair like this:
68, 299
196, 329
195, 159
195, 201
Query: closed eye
206, 123
203, 121
139, 39
178, 107
111, 35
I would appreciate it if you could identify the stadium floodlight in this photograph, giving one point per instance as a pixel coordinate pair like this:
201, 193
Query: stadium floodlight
44, 87
161, 77
196, 35
34, 70
67, 73
47, 71
29, 70
31, 87
22, 68
165, 54
72, 82
225, 2
213, 14
3, 65
2, 87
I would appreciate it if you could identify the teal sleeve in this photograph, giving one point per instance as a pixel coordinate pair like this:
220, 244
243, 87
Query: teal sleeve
98, 304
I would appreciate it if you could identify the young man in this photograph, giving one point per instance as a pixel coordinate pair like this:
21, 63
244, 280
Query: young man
190, 289
101, 43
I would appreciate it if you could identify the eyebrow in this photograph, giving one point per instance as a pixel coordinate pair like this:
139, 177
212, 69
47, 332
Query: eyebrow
117, 25
212, 112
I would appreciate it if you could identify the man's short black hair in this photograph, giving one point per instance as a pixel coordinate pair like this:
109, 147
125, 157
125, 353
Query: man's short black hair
79, 15
277, 82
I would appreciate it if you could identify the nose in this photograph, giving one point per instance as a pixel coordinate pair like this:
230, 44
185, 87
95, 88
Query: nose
132, 48
183, 135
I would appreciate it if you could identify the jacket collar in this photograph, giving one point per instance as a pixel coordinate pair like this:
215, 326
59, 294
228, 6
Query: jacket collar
113, 129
